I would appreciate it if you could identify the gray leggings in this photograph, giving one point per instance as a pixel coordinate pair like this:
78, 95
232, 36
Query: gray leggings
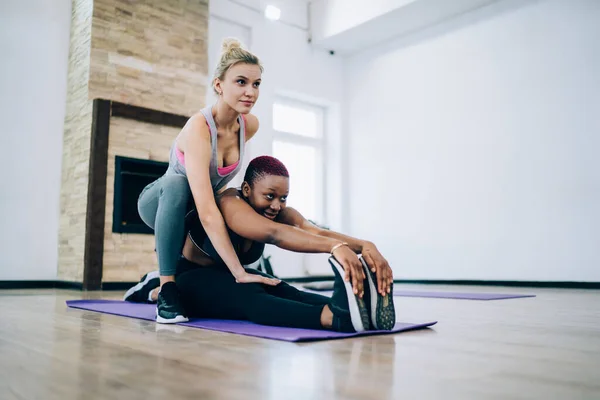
162, 205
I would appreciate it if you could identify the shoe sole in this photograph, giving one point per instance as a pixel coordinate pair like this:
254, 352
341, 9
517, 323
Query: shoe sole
140, 285
383, 312
354, 302
176, 320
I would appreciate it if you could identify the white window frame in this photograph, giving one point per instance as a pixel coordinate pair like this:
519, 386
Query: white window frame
318, 143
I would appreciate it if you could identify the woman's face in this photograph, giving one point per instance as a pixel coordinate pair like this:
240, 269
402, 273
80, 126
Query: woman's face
240, 87
268, 195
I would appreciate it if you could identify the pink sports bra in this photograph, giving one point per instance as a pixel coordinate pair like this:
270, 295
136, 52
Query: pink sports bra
222, 170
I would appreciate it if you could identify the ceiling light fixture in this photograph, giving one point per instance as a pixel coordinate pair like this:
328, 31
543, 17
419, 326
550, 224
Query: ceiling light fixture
273, 13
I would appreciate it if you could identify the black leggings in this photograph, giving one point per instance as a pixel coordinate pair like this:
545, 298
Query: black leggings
211, 292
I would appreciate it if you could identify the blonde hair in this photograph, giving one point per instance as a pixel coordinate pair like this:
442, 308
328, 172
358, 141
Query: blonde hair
232, 53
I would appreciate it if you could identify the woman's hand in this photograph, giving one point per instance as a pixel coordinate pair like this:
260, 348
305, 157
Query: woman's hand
353, 268
379, 266
245, 277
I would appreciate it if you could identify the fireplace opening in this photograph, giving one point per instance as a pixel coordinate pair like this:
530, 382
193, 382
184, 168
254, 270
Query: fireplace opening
131, 176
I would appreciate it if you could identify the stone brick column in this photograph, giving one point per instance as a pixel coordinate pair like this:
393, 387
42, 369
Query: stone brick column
151, 54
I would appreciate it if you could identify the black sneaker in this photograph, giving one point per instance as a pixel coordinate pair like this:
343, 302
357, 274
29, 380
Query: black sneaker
344, 303
140, 293
383, 313
168, 309
342, 322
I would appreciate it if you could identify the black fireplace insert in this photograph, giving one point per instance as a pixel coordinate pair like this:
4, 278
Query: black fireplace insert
131, 176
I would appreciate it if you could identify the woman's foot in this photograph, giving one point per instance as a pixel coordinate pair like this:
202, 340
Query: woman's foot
381, 308
140, 293
348, 309
168, 308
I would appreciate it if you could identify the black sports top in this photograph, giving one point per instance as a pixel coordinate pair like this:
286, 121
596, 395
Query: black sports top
201, 241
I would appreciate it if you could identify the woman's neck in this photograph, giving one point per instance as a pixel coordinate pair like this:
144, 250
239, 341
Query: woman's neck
225, 117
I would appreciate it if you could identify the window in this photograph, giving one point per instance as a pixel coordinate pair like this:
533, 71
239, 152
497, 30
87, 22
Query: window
299, 144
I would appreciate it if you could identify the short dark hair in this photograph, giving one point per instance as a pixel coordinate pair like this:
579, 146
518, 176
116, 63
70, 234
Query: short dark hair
263, 166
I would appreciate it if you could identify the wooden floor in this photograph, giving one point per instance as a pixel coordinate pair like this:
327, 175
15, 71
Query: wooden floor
546, 347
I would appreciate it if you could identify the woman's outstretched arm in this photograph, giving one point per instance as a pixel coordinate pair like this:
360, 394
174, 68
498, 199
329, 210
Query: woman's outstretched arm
291, 216
243, 220
374, 259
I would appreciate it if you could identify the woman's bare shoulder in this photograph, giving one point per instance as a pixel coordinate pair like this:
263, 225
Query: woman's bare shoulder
228, 194
195, 126
196, 121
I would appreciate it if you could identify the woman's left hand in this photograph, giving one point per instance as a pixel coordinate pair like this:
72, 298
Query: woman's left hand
380, 266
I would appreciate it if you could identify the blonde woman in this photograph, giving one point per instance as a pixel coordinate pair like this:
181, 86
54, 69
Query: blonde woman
204, 157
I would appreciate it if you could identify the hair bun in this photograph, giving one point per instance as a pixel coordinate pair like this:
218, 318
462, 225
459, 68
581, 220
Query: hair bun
230, 44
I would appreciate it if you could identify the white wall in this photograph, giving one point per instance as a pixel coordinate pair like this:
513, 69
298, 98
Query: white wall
292, 68
474, 146
34, 43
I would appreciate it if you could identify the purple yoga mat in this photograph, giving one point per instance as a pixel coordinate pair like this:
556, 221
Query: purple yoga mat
148, 311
